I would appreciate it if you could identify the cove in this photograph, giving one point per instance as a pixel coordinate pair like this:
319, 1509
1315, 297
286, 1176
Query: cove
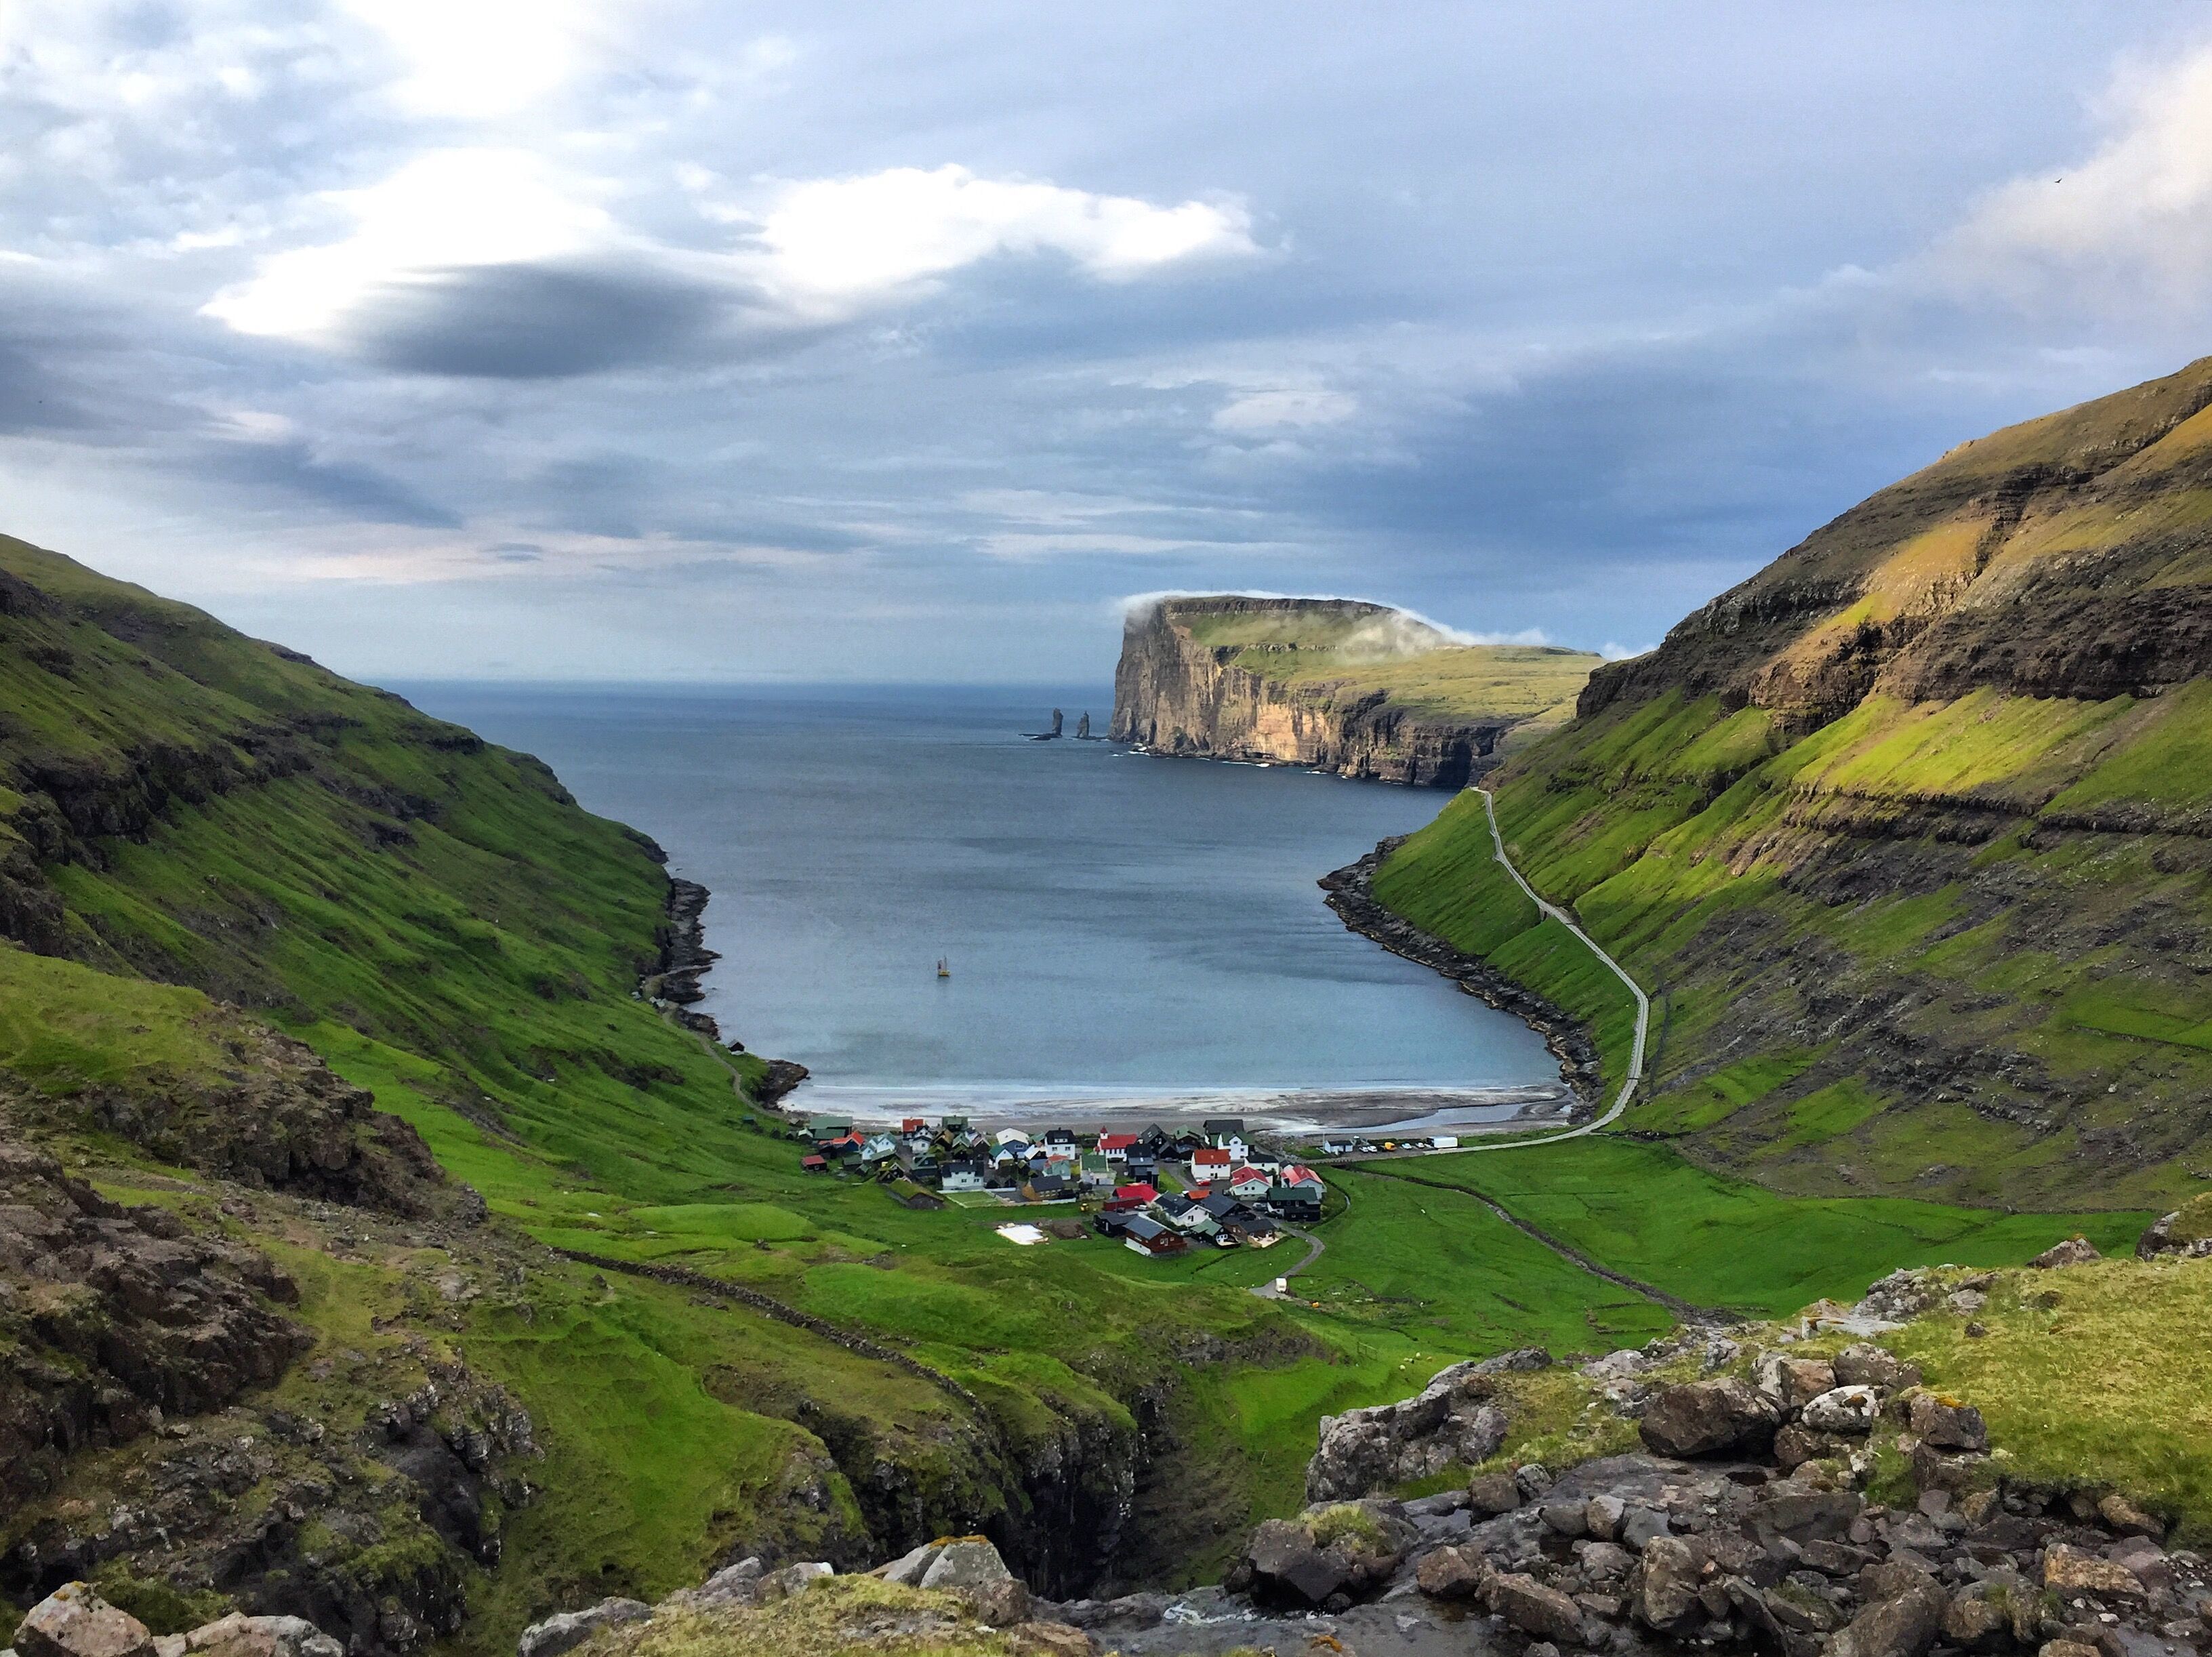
1126, 934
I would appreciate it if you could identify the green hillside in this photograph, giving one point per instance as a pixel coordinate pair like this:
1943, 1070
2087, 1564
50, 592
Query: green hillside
1347, 652
1907, 835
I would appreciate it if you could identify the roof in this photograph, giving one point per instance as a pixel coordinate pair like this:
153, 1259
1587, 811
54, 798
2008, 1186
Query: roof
1221, 1206
1116, 1141
812, 1161
1176, 1203
1210, 1158
1144, 1229
1224, 1124
1238, 1176
1135, 1193
1298, 1174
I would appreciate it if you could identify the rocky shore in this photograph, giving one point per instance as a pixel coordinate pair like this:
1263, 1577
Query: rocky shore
684, 956
1350, 894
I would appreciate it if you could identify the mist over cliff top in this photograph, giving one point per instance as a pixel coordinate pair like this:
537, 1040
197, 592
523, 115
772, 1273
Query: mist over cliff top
1353, 630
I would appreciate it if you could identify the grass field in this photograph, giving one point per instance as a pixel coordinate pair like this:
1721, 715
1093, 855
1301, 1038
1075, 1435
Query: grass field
1645, 1211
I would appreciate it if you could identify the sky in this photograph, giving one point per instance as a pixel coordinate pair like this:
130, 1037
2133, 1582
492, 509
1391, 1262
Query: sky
545, 340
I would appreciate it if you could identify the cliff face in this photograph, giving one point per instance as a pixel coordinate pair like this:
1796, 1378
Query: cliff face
1325, 683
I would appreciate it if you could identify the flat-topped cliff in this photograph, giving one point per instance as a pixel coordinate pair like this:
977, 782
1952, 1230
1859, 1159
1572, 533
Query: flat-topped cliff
1333, 683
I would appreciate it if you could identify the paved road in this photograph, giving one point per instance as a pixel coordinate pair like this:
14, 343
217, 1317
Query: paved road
1636, 1048
1315, 1249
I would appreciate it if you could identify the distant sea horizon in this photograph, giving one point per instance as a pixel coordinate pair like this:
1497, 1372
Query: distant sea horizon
1126, 934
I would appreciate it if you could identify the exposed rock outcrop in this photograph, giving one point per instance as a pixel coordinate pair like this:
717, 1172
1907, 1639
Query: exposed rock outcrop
1451, 1422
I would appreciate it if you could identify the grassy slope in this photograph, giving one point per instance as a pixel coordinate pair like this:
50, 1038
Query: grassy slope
1948, 945
1335, 655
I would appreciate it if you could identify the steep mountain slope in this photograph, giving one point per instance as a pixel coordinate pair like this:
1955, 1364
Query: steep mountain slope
1910, 834
1333, 683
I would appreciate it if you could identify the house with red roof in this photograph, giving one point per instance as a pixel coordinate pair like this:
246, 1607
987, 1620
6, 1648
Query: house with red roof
1247, 1183
1209, 1164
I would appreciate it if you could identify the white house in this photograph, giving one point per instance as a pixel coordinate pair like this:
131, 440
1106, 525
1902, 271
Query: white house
1248, 1183
1211, 1164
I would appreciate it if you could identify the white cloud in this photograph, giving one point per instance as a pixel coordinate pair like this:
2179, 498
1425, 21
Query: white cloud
444, 210
825, 251
830, 247
475, 59
2136, 213
1274, 409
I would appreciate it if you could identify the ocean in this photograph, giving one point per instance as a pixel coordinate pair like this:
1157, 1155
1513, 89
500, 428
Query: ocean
1125, 934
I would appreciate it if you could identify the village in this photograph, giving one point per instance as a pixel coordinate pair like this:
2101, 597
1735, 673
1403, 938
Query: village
1160, 1192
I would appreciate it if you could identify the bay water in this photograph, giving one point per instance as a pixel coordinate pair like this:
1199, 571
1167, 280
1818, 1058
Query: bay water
1124, 933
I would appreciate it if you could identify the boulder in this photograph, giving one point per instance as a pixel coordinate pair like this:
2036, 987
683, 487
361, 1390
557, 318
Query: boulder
1793, 1382
1287, 1566
1804, 1515
239, 1636
1796, 1444
1568, 1517
732, 1585
2124, 1517
970, 1562
1492, 1494
1664, 1588
1605, 1562
1452, 1573
1639, 1524
1992, 1614
1846, 1409
908, 1569
1947, 1424
971, 1568
1532, 1479
2071, 1570
792, 1579
1863, 1364
1541, 1612
2187, 1230
571, 1629
75, 1622
1704, 1418
1901, 1623
1602, 1514
1363, 1452
2074, 1251
2068, 1649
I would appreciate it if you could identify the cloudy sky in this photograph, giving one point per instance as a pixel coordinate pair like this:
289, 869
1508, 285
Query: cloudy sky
540, 338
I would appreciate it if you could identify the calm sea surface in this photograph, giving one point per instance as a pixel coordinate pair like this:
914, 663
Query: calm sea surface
1122, 930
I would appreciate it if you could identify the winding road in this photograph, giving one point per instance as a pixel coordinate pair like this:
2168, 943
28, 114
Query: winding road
1636, 1048
1612, 1114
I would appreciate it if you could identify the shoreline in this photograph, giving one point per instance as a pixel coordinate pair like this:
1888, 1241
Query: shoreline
1350, 893
1290, 1111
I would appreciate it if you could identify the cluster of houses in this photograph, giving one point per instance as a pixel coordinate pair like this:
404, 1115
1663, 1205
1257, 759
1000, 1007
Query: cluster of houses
1231, 1192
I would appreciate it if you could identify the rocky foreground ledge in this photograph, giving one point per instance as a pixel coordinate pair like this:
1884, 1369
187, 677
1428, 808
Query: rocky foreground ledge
1794, 1489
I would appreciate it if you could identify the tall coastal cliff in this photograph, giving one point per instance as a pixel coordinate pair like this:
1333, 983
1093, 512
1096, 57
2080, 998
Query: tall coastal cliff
1333, 683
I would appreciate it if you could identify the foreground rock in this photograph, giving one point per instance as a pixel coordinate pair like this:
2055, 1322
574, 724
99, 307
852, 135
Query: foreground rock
73, 1621
956, 1590
1451, 1422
